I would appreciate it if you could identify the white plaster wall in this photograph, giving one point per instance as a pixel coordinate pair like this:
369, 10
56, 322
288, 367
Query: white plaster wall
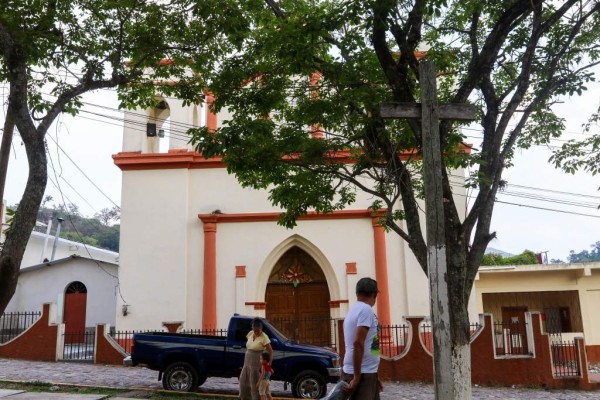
397, 279
153, 261
48, 285
134, 130
250, 243
144, 257
181, 119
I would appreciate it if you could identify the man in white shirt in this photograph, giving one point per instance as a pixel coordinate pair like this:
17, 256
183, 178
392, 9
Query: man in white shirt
361, 360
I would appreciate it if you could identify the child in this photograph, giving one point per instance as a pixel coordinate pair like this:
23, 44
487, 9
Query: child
264, 384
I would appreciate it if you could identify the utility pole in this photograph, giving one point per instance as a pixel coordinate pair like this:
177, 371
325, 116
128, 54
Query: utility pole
56, 237
430, 112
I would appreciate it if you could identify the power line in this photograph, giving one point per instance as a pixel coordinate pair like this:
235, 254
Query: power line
548, 209
116, 277
536, 197
80, 170
556, 191
509, 193
539, 189
535, 207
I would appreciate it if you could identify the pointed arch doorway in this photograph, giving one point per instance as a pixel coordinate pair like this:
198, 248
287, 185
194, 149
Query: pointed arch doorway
298, 298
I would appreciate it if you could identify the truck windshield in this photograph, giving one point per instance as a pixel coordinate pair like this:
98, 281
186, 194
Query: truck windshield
276, 332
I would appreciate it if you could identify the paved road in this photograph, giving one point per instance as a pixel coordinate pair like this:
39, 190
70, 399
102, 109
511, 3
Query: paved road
121, 377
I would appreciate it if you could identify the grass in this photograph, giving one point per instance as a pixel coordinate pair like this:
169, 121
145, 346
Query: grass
45, 387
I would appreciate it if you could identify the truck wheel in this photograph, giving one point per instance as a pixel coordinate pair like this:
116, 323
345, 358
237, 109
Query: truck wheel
180, 376
309, 384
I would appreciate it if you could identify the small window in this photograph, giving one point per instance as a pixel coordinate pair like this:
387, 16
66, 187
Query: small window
243, 326
558, 319
76, 287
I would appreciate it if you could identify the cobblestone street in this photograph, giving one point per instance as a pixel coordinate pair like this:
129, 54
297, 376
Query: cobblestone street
122, 377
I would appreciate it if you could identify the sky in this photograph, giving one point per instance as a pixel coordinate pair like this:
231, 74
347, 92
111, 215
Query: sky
89, 140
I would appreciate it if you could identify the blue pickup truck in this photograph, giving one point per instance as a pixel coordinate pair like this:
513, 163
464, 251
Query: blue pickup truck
185, 361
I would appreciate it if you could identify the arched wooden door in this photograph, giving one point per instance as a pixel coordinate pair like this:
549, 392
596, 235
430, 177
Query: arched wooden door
298, 299
74, 312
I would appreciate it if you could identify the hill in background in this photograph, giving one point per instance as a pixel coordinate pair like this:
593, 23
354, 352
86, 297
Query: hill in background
101, 230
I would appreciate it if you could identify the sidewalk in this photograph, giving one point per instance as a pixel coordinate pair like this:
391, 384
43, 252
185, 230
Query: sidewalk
141, 378
21, 395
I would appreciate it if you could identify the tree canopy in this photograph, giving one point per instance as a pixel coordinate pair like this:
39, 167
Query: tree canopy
585, 255
52, 52
325, 67
305, 91
527, 257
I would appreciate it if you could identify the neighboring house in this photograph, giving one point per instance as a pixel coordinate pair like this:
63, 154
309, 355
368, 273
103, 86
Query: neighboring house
567, 295
196, 247
84, 289
81, 279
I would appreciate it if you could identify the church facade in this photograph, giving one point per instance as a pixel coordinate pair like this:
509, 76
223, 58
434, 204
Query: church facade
196, 247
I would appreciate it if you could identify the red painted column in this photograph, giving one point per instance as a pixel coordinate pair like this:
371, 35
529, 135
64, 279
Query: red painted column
381, 273
211, 119
209, 290
315, 77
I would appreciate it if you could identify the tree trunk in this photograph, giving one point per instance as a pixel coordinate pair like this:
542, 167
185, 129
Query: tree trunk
460, 337
26, 214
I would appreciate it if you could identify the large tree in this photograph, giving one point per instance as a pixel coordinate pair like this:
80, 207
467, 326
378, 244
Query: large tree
305, 95
52, 52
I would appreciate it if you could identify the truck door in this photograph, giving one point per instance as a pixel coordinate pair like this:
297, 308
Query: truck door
236, 344
280, 360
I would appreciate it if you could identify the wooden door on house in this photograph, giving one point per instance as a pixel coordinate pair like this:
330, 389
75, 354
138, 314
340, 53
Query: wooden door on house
515, 330
74, 312
298, 298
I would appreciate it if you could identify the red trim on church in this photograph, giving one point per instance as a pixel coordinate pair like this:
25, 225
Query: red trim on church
258, 305
351, 268
183, 158
274, 216
240, 271
336, 303
210, 221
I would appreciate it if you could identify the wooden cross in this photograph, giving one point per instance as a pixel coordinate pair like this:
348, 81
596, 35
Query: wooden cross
430, 112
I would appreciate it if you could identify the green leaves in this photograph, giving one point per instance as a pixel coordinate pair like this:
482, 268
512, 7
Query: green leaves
308, 79
10, 216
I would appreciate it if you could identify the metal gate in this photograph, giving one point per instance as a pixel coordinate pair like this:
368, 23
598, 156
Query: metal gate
79, 346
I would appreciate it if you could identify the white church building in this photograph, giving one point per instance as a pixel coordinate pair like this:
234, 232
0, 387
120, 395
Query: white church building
196, 247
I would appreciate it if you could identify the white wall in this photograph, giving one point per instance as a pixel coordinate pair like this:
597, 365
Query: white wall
162, 248
153, 260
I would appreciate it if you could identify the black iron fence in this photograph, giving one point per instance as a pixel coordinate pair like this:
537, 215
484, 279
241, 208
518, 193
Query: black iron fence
392, 339
565, 357
510, 338
79, 346
14, 323
125, 338
320, 331
208, 332
426, 333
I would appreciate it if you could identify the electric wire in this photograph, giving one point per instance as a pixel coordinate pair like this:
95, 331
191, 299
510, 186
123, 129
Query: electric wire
540, 198
546, 199
175, 133
68, 213
83, 173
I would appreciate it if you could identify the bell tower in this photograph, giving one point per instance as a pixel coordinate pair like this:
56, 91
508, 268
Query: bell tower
163, 127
